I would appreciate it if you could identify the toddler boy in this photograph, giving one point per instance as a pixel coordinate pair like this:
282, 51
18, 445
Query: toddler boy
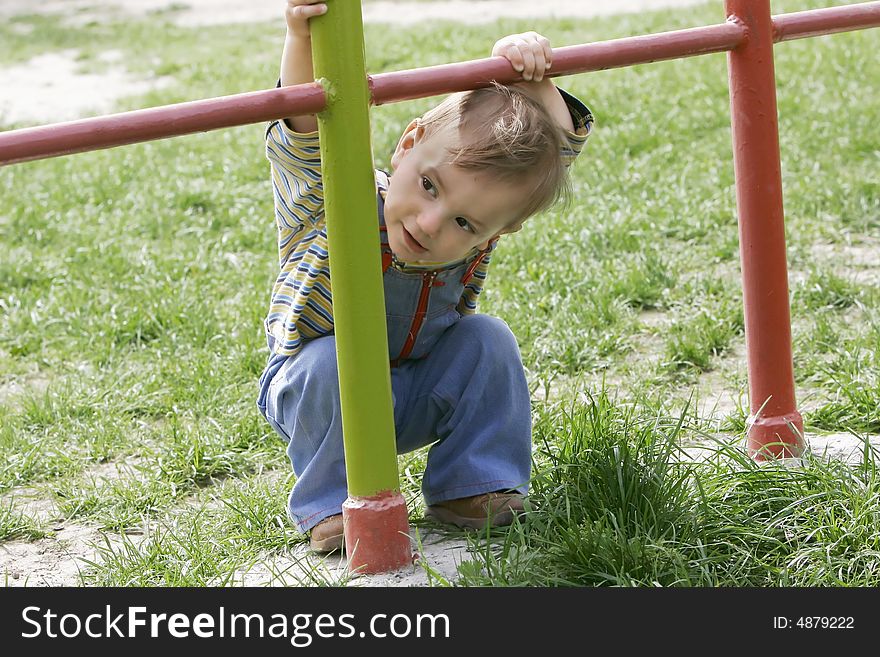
470, 170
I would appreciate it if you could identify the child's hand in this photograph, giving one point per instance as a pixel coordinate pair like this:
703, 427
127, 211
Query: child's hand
529, 53
299, 12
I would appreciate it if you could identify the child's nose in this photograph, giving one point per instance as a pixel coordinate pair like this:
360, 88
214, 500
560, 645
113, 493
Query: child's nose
430, 220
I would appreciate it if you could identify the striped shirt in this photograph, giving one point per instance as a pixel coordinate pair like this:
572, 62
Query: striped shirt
301, 306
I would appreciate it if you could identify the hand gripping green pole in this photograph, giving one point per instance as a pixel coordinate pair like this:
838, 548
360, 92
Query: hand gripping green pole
375, 513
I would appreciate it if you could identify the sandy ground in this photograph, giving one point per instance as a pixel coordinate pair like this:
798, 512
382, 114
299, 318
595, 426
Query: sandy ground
30, 94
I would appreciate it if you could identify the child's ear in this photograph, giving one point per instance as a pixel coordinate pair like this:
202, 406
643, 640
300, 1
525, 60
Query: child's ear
410, 137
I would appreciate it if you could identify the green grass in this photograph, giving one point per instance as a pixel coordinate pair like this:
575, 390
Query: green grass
16, 524
134, 281
616, 503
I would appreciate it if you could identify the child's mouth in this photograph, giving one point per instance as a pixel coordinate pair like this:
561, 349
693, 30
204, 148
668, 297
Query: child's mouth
412, 243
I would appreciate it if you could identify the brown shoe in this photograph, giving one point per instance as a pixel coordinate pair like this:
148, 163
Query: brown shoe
327, 535
493, 509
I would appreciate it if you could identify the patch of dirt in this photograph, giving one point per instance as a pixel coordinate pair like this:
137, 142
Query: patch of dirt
61, 558
857, 262
715, 395
438, 555
843, 446
32, 502
31, 384
30, 92
58, 560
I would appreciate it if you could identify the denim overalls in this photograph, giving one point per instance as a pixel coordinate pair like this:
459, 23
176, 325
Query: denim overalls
457, 381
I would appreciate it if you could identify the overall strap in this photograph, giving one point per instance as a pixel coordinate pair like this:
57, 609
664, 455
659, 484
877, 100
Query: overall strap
476, 263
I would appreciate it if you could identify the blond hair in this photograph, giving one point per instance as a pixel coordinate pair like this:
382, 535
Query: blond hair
505, 132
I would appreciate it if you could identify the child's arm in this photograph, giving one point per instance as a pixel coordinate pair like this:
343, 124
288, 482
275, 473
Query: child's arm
296, 59
531, 55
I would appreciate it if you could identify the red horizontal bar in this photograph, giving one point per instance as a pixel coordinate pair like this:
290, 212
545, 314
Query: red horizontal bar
616, 53
817, 22
270, 104
152, 123
254, 107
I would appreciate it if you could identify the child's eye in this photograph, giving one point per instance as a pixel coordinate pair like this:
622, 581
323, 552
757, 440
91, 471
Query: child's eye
428, 186
464, 223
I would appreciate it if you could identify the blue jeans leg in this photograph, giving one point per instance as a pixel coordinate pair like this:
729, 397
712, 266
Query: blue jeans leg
471, 395
303, 407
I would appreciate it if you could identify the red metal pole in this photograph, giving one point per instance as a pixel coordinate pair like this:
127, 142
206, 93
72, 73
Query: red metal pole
599, 56
775, 426
270, 104
267, 105
158, 122
831, 20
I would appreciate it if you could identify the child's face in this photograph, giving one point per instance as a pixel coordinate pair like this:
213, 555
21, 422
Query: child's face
437, 212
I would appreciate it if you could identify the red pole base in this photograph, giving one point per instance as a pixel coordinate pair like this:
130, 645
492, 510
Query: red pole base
377, 533
775, 437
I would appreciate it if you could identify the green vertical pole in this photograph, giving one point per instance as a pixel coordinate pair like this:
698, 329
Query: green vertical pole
354, 245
